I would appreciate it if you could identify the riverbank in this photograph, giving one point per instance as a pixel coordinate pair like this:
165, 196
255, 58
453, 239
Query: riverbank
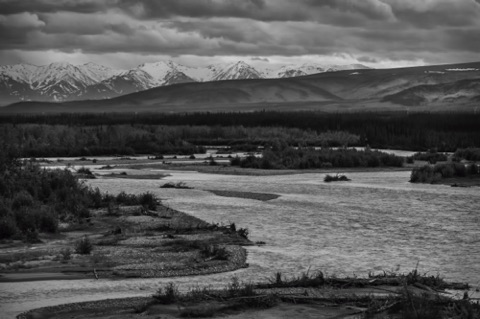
127, 242
308, 296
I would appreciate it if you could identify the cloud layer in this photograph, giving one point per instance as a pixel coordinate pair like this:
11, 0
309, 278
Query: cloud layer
122, 32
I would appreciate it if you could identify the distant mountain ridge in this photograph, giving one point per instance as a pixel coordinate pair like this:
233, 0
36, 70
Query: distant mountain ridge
63, 81
454, 87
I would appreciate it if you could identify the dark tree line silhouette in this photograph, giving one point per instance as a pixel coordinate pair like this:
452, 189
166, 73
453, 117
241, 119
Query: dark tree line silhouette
400, 130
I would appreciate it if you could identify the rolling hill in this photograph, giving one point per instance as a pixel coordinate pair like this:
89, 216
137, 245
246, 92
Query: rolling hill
432, 88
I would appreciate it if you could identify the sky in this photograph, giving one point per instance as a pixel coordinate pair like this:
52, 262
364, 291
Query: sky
126, 33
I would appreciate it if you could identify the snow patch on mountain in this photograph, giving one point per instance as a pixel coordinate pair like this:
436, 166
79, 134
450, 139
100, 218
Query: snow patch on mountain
62, 81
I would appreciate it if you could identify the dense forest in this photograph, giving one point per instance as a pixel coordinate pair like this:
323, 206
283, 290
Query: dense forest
33, 200
42, 140
127, 134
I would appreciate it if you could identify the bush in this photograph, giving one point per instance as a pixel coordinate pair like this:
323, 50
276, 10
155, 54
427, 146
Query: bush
83, 246
22, 199
66, 254
180, 185
167, 295
335, 178
8, 227
85, 171
243, 232
148, 201
48, 221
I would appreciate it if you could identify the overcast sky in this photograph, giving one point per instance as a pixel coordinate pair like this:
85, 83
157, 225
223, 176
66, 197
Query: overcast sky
125, 33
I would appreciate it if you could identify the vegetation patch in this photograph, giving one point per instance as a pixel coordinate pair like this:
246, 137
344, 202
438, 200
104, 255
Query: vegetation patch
85, 231
384, 296
446, 171
308, 158
336, 178
432, 156
180, 185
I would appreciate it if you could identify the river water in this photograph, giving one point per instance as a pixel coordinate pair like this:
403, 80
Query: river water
376, 222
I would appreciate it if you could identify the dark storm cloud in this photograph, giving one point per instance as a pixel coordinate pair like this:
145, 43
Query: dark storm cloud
373, 9
192, 8
433, 14
83, 6
372, 30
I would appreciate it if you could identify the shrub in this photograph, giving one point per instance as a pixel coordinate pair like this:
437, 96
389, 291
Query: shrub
148, 200
48, 221
22, 199
8, 227
167, 295
113, 210
83, 246
335, 178
66, 254
180, 185
26, 220
243, 232
126, 199
86, 172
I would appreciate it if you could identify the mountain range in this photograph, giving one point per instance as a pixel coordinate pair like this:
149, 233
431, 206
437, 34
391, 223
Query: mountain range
453, 87
66, 82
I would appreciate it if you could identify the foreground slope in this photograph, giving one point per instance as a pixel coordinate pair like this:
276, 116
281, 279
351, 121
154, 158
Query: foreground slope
450, 87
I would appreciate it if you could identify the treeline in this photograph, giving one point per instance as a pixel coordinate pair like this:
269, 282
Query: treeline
433, 174
45, 140
399, 130
34, 200
305, 158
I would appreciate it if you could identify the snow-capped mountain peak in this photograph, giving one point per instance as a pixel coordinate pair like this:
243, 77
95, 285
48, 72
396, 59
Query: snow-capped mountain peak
237, 71
18, 72
65, 81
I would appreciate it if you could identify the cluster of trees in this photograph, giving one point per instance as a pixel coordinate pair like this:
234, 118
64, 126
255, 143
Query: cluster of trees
433, 174
39, 140
34, 200
45, 140
399, 130
469, 154
306, 158
432, 156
